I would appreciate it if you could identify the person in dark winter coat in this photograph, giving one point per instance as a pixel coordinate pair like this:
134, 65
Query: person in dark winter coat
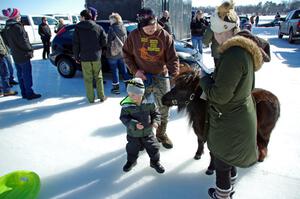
150, 54
18, 41
198, 26
209, 39
231, 130
88, 40
165, 22
141, 120
45, 33
116, 61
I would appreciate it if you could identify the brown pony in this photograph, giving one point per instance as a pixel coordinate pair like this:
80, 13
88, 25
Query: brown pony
186, 96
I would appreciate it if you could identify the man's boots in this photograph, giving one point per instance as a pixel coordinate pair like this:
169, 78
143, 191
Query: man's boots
115, 89
163, 137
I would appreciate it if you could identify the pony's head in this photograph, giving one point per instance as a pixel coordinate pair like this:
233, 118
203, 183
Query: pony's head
186, 89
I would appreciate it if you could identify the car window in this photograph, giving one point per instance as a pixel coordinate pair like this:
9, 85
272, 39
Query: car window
61, 17
74, 18
130, 28
24, 21
51, 21
37, 20
296, 15
104, 25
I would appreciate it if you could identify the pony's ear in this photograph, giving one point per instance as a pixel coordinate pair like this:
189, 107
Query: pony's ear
184, 67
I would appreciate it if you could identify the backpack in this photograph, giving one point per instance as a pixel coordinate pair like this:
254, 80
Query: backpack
116, 46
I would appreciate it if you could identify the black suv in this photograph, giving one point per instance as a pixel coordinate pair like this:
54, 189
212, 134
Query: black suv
62, 51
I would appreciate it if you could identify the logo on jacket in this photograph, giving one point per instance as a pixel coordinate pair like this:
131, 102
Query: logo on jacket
151, 49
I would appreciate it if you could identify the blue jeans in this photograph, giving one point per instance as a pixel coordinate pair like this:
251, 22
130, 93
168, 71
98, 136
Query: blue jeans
24, 73
10, 68
115, 66
4, 76
197, 43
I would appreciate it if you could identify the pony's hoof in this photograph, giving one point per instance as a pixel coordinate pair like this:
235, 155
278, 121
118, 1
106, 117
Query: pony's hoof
209, 172
262, 154
197, 157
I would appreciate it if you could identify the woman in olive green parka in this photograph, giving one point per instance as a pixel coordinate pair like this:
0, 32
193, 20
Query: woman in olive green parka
231, 133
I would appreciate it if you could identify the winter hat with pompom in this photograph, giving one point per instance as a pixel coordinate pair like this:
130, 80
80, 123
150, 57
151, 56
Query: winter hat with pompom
11, 13
136, 86
225, 18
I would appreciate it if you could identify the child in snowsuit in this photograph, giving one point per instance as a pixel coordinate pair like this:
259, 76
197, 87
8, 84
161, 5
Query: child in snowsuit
141, 120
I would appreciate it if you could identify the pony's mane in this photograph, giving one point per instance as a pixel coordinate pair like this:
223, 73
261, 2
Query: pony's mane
188, 78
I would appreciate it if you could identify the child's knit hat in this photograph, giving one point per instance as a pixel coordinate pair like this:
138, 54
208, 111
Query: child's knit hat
136, 86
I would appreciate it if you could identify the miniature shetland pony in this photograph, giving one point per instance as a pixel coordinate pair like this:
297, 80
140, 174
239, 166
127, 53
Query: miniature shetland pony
186, 96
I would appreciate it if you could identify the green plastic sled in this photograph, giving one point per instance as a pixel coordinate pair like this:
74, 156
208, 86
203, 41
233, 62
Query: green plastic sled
20, 185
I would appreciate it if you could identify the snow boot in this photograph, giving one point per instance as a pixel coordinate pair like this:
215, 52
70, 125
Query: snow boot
115, 89
128, 166
157, 166
163, 137
217, 193
233, 178
10, 93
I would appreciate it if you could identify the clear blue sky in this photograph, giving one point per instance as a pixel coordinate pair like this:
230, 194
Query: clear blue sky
197, 3
75, 6
44, 7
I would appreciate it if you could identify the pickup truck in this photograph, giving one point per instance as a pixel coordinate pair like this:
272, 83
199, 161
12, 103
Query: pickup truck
31, 24
290, 26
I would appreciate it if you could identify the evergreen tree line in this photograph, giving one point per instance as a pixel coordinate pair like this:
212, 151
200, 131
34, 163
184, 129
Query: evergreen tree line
268, 8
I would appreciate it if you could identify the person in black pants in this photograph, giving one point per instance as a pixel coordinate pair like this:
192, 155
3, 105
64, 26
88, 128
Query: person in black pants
141, 119
45, 33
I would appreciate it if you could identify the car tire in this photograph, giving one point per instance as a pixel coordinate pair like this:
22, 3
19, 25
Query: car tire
66, 68
291, 39
280, 35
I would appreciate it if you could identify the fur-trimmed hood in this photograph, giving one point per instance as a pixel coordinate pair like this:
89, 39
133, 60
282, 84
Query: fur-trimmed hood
257, 47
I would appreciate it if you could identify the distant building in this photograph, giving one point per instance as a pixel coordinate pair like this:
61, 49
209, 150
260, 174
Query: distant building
180, 11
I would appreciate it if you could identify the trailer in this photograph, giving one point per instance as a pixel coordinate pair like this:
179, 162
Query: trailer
180, 11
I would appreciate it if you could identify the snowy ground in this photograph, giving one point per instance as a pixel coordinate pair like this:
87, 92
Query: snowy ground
78, 149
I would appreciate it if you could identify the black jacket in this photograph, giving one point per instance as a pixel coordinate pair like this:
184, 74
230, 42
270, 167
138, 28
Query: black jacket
17, 39
88, 40
164, 22
44, 31
198, 27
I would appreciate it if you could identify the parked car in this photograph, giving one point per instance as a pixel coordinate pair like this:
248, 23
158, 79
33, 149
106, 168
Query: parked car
290, 26
62, 53
75, 19
245, 23
67, 18
31, 24
274, 22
